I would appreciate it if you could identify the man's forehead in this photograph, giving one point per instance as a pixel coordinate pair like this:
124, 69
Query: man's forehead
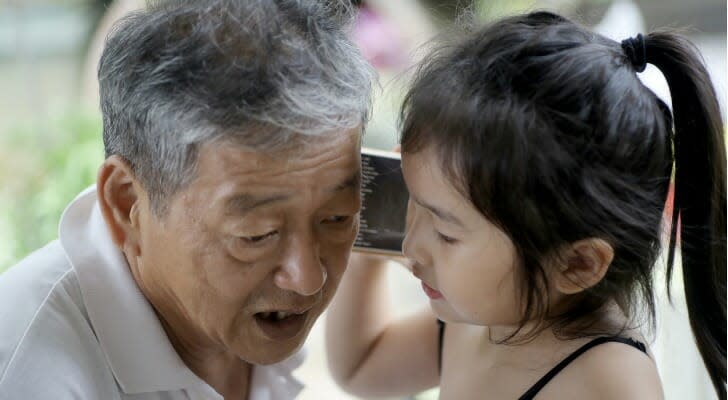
274, 140
348, 141
226, 171
287, 146
244, 202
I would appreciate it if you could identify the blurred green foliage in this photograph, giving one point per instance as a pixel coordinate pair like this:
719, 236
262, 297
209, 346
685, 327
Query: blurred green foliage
43, 165
490, 10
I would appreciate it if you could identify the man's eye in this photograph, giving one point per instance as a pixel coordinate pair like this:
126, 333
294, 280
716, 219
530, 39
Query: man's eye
258, 238
336, 219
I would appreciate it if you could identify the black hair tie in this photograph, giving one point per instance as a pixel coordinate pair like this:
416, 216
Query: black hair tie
636, 52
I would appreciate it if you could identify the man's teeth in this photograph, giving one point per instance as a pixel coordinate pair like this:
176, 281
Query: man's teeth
276, 315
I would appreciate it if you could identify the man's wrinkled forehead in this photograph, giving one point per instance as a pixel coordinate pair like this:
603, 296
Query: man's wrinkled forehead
276, 141
245, 203
250, 179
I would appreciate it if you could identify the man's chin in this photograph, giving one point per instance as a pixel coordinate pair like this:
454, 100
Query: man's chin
272, 353
265, 343
265, 351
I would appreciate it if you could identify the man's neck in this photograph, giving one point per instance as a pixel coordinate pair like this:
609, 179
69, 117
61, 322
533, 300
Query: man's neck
229, 375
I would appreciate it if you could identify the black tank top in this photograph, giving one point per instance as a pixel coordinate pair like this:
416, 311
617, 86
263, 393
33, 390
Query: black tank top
533, 390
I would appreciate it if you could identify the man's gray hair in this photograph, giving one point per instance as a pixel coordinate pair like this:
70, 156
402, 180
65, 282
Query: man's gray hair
256, 72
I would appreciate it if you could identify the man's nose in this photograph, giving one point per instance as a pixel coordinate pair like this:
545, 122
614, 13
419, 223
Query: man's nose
301, 269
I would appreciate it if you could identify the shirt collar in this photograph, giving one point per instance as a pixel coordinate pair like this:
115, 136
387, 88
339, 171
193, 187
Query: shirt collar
136, 346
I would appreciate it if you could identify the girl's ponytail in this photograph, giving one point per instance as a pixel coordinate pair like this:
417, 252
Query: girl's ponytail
700, 194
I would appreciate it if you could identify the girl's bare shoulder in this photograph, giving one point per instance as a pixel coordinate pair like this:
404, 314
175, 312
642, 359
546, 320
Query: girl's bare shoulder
609, 371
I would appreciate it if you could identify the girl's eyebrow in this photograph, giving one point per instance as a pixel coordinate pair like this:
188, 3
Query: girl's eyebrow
440, 213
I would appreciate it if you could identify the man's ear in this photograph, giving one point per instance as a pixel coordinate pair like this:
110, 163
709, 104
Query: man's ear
120, 196
582, 265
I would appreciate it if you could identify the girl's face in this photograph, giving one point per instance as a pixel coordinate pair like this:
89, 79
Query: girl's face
466, 264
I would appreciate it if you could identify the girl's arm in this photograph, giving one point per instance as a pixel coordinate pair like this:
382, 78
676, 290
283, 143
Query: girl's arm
369, 353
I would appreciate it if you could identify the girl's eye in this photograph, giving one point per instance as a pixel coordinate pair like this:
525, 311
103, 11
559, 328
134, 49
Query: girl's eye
258, 238
336, 219
446, 239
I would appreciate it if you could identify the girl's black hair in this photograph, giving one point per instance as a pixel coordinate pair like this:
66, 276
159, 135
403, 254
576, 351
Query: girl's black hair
546, 128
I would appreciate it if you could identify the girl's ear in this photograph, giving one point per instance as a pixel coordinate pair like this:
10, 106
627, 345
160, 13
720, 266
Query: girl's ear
582, 265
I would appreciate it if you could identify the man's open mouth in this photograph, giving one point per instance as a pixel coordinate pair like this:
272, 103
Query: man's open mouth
274, 315
280, 325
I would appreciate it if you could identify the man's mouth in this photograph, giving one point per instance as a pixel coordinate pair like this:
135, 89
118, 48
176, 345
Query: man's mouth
275, 315
281, 325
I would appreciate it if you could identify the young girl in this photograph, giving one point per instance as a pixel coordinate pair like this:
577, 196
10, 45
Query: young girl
538, 167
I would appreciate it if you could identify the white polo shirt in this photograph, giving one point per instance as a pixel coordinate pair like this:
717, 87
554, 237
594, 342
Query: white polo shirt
74, 325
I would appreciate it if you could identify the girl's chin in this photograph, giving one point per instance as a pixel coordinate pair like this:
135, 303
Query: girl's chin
447, 314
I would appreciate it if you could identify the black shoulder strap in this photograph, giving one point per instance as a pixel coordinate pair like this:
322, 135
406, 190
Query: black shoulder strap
441, 335
583, 349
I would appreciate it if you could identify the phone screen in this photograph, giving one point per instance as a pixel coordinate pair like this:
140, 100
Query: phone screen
384, 203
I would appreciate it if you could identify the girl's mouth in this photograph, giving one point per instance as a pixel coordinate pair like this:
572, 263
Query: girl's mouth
430, 292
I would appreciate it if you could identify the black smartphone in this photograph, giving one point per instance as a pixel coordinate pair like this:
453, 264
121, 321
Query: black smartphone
384, 203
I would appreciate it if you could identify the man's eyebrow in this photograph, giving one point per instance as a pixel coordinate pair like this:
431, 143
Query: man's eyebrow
440, 213
245, 202
350, 183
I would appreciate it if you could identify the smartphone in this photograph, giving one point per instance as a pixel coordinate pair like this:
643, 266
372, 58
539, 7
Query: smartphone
384, 203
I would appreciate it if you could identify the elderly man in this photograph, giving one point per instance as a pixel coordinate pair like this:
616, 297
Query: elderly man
222, 218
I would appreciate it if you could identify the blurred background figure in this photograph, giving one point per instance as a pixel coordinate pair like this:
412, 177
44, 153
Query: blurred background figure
49, 50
